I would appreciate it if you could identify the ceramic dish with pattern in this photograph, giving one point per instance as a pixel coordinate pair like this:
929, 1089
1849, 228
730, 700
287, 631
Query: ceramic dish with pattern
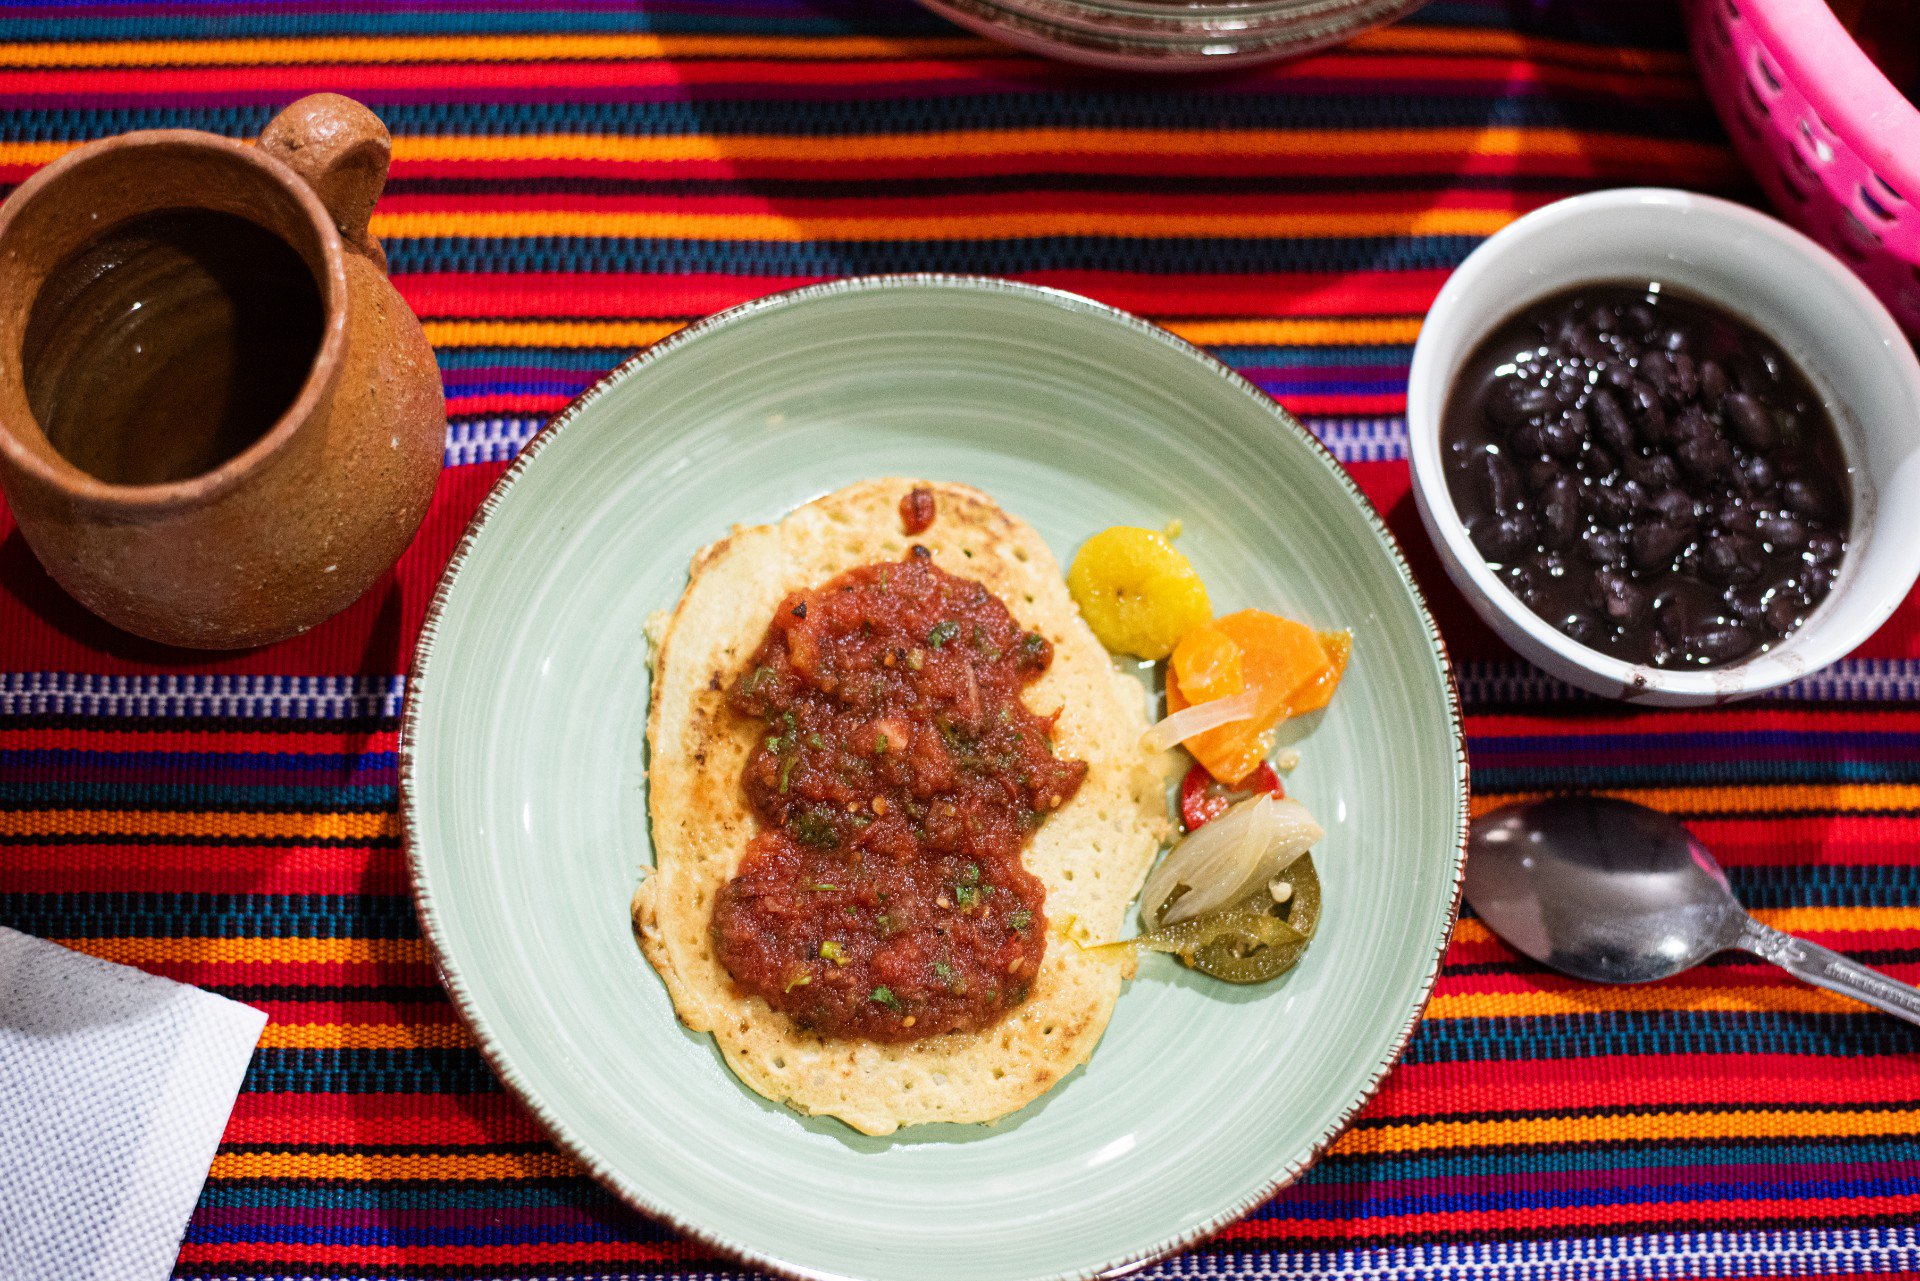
523, 778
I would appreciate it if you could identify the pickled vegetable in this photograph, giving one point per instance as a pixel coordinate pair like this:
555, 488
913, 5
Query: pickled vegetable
1251, 941
1227, 859
1203, 798
1137, 592
1291, 668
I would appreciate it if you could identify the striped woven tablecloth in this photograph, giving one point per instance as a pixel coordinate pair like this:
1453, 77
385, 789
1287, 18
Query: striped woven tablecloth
573, 178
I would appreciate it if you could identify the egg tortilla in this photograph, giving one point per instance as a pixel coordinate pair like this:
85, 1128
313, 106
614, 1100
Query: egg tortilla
1091, 854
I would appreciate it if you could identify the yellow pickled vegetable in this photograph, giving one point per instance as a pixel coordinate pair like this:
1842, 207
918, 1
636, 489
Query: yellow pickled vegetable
1136, 591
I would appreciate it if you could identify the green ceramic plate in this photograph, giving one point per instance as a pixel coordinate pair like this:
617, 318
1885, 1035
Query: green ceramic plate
524, 789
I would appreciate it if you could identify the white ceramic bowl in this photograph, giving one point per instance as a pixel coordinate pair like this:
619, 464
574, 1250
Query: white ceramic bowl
1784, 285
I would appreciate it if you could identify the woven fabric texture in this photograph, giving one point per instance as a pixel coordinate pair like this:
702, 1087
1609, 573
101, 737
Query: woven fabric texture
573, 178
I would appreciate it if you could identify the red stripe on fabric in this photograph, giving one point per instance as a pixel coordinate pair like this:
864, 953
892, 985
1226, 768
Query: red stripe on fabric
1421, 1089
1718, 172
978, 204
202, 869
358, 1256
446, 81
365, 1120
349, 1012
290, 742
1343, 1224
1611, 718
634, 295
344, 975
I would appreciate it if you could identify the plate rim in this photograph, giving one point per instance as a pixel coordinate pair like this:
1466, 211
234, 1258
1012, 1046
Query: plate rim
1293, 1166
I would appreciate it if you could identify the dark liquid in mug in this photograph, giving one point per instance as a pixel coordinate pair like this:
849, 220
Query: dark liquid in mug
168, 345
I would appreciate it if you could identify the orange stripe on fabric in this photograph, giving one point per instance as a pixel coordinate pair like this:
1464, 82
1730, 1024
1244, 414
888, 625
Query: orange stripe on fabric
366, 1036
987, 143
1656, 1127
1794, 920
1642, 999
397, 1166
382, 825
243, 951
1780, 800
517, 48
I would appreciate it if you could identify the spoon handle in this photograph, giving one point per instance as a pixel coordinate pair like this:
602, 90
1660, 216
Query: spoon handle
1825, 968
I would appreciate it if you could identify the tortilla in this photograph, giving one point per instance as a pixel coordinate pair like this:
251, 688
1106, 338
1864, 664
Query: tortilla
1092, 854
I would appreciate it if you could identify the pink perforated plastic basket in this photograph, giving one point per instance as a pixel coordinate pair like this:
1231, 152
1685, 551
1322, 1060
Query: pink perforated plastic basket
1836, 146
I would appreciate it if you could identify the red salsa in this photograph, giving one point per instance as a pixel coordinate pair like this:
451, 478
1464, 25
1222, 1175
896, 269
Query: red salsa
897, 778
917, 510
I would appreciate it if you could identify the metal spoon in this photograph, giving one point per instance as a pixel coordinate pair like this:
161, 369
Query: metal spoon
1614, 892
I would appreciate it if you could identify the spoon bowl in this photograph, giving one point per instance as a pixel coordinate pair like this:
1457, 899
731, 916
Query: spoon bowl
1613, 892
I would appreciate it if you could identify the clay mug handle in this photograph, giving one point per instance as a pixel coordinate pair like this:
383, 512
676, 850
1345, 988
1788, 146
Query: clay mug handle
342, 150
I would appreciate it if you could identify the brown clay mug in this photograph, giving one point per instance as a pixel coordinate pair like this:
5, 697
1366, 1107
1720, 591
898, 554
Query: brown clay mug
219, 423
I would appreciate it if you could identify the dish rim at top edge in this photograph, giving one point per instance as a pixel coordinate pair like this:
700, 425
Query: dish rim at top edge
1293, 1165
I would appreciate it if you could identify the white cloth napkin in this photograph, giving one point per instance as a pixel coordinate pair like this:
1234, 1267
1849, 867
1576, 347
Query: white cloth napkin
114, 1089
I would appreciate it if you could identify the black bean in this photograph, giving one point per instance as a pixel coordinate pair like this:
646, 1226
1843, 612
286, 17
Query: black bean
1560, 512
1721, 643
1624, 601
1758, 475
1610, 421
1735, 515
1734, 558
1563, 437
1604, 546
1583, 627
1749, 604
1499, 480
1784, 609
1502, 537
1713, 383
1782, 531
1676, 340
1637, 319
1542, 472
1606, 502
1824, 547
1699, 449
1750, 421
1673, 507
1648, 414
1810, 495
1588, 344
1657, 370
1684, 606
1686, 374
1617, 374
1528, 438
1655, 543
1655, 471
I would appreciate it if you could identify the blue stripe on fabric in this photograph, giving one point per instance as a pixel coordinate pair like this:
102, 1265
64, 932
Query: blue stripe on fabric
74, 794
1707, 773
339, 764
1640, 1033
904, 116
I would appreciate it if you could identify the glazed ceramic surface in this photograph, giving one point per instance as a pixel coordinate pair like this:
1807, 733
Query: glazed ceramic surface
1782, 284
524, 777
